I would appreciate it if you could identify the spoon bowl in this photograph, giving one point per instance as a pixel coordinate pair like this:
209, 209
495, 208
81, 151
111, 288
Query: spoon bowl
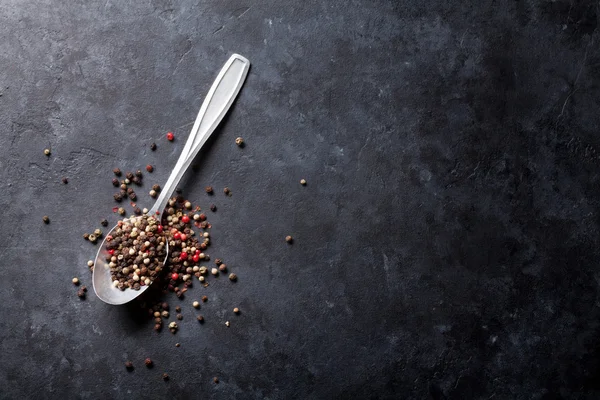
219, 99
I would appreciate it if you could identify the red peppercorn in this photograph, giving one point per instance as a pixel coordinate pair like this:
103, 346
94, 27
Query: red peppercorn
159, 228
174, 276
183, 237
183, 255
177, 236
111, 252
149, 168
185, 219
195, 258
170, 136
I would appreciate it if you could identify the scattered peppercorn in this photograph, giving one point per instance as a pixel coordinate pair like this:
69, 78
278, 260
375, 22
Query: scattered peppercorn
129, 365
204, 299
232, 277
148, 362
104, 222
218, 261
179, 317
132, 196
115, 182
92, 238
47, 152
118, 197
138, 173
214, 271
209, 189
121, 211
165, 376
213, 208
170, 136
200, 318
81, 293
86, 236
236, 310
129, 175
75, 281
152, 193
153, 146
223, 268
65, 180
216, 380
227, 191
90, 263
303, 182
195, 304
177, 344
149, 168
227, 324
239, 141
46, 219
289, 239
117, 171
98, 232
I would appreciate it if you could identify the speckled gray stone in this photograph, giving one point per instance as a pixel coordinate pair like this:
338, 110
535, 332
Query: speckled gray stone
445, 246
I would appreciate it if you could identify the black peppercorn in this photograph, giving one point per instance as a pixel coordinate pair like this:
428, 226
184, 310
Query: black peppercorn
132, 196
104, 222
178, 190
86, 236
200, 318
218, 261
137, 210
129, 365
165, 306
118, 197
115, 182
153, 146
213, 208
46, 219
177, 309
148, 362
136, 180
65, 180
138, 173
179, 317
129, 175
156, 188
227, 191
209, 189
117, 171
165, 376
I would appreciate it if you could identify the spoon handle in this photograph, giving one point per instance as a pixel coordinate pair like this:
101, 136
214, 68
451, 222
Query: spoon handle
220, 97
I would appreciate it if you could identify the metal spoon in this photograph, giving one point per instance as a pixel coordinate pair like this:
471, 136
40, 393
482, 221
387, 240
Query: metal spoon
216, 104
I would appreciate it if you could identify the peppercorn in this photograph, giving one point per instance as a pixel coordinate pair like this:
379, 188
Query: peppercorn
236, 310
156, 187
148, 362
90, 263
170, 136
303, 182
227, 191
92, 238
165, 376
149, 168
129, 365
46, 219
138, 173
121, 211
137, 181
188, 205
209, 189
239, 141
223, 268
115, 182
98, 232
205, 298
214, 271
179, 317
86, 236
153, 146
126, 181
47, 152
65, 180
216, 380
81, 293
152, 193
289, 239
117, 171
157, 327
104, 222
132, 196
218, 261
200, 318
118, 197
177, 344
213, 208
227, 324
165, 306
232, 277
129, 175
195, 304
165, 314
177, 309
75, 281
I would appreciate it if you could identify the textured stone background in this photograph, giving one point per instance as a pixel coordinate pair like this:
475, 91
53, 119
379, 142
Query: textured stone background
446, 244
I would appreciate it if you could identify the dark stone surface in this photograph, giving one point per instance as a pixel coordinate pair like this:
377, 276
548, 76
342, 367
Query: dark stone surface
446, 245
